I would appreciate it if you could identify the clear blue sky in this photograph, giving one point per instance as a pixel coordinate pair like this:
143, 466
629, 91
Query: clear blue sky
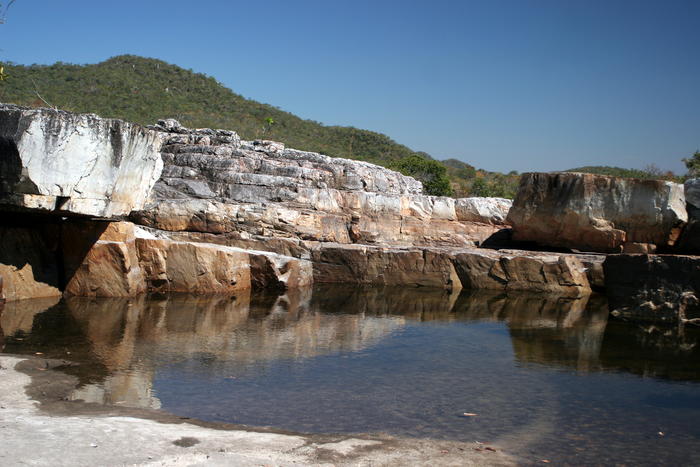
504, 85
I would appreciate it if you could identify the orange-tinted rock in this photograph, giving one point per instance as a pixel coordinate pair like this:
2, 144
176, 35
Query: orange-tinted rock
362, 264
101, 260
193, 267
28, 261
522, 271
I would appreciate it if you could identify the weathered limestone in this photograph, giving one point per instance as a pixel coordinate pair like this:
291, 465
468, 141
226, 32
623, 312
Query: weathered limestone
522, 271
485, 210
597, 213
657, 288
75, 164
219, 184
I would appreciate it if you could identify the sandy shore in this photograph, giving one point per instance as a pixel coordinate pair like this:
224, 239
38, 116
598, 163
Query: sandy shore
38, 427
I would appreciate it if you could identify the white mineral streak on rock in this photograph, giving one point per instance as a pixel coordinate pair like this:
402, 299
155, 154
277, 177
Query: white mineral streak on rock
487, 210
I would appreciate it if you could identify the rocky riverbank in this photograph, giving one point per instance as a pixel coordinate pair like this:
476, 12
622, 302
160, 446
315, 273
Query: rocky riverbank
100, 207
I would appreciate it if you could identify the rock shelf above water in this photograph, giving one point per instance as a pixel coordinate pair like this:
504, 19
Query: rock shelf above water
210, 213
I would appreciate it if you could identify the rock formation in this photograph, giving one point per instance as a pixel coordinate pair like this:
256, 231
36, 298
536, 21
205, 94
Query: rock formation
216, 214
75, 164
597, 213
522, 271
214, 182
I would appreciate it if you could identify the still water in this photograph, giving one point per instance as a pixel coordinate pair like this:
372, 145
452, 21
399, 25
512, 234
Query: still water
547, 377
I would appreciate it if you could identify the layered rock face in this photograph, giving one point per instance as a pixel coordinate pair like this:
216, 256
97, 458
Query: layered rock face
597, 213
75, 164
214, 182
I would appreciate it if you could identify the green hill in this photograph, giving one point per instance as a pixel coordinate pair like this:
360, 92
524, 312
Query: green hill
144, 90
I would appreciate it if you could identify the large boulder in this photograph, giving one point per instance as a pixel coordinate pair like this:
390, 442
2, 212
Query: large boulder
53, 160
522, 271
657, 288
597, 213
193, 267
363, 264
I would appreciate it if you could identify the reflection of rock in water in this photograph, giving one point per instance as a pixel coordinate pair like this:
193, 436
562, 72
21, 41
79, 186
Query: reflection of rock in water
225, 334
119, 343
671, 352
424, 304
547, 329
18, 316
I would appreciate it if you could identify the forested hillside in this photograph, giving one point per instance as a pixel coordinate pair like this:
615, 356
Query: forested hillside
144, 90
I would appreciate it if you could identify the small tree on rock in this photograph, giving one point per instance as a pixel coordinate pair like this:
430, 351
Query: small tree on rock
431, 173
693, 165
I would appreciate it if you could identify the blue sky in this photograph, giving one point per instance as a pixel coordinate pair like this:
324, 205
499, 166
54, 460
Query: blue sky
504, 85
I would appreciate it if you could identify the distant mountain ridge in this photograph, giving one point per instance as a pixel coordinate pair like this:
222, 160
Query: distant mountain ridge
649, 172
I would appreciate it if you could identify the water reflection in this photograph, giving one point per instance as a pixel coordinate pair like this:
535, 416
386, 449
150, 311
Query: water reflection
406, 361
121, 342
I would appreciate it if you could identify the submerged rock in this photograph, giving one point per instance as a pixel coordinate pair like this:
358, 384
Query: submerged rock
81, 164
597, 213
657, 288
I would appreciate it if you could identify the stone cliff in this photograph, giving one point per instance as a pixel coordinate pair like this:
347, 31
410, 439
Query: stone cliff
214, 182
104, 208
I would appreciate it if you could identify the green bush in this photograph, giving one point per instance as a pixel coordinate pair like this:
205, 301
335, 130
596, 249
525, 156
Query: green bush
430, 172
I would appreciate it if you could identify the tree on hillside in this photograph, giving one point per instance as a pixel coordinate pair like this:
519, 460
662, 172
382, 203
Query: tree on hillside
431, 173
693, 165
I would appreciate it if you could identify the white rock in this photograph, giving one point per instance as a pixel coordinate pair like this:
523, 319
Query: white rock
486, 210
79, 164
